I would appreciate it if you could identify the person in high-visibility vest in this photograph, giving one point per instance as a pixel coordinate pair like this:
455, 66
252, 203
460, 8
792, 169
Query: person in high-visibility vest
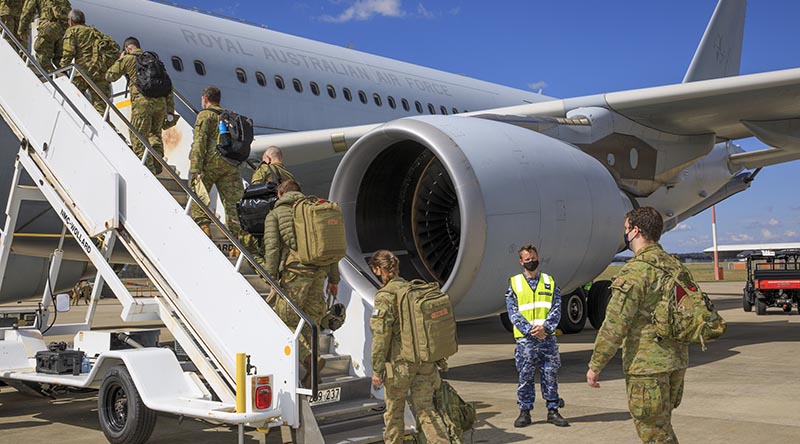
534, 307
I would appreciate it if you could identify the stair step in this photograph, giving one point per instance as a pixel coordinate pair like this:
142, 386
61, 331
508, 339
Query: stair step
335, 365
357, 431
170, 184
325, 340
352, 387
348, 415
254, 279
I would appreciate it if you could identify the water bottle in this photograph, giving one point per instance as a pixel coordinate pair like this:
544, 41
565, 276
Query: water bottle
86, 366
224, 141
223, 127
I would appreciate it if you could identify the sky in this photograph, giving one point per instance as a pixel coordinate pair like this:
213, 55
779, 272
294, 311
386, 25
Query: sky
568, 49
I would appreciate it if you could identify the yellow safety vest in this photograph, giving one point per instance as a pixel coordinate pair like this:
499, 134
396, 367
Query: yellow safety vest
534, 306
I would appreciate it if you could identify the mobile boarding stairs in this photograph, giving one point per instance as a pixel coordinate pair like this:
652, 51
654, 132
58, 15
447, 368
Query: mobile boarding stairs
245, 357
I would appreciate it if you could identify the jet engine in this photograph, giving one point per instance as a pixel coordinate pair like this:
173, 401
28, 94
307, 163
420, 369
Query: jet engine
456, 197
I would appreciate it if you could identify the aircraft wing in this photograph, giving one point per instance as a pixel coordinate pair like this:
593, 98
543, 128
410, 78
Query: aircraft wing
764, 105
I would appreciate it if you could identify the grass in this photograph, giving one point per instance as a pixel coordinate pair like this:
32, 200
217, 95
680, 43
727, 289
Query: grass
702, 272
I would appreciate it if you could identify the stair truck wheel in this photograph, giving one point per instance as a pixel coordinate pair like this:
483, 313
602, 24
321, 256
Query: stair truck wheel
573, 312
761, 307
507, 324
124, 418
747, 304
599, 295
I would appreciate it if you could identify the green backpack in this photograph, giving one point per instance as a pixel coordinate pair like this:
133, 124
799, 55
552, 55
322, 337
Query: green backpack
685, 313
427, 323
319, 229
105, 51
458, 415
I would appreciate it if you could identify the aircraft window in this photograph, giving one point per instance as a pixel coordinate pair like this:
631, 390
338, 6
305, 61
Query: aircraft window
314, 88
177, 63
418, 106
377, 98
405, 105
391, 101
347, 95
261, 79
362, 96
431, 108
241, 75
331, 91
279, 82
298, 85
455, 111
199, 67
443, 109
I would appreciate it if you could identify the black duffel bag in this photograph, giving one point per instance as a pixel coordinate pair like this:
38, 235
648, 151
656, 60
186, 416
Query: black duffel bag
257, 202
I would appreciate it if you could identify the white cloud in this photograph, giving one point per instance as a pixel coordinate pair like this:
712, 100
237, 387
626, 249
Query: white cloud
366, 9
424, 12
743, 237
695, 241
790, 233
768, 235
773, 222
683, 227
536, 86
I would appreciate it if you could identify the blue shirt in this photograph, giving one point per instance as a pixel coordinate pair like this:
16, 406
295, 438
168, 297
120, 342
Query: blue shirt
519, 321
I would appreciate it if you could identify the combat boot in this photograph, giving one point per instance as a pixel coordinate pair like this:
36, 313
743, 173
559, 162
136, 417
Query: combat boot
555, 418
206, 229
524, 419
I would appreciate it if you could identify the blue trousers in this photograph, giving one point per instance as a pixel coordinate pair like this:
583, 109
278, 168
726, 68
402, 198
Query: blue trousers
532, 354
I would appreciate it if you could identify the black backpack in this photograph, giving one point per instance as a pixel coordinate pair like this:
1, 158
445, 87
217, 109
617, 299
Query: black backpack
257, 202
234, 145
152, 79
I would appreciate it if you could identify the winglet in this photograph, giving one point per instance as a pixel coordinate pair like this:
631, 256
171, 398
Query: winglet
720, 51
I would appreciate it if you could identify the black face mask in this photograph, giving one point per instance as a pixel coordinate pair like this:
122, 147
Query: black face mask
627, 241
531, 265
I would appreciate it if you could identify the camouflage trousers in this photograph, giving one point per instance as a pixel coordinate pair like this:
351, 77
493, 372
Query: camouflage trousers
11, 22
307, 291
532, 354
229, 185
651, 399
49, 44
422, 380
147, 117
88, 92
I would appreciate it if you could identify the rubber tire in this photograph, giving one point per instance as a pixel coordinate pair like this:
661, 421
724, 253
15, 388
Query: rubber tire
136, 423
599, 295
761, 307
507, 324
575, 323
746, 304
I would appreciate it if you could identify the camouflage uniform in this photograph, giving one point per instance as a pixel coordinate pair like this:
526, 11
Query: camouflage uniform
206, 161
52, 24
400, 376
147, 113
303, 283
79, 43
654, 368
264, 174
10, 11
532, 353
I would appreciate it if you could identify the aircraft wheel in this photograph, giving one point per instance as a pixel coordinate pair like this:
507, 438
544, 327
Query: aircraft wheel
124, 418
746, 304
507, 324
573, 312
761, 307
599, 295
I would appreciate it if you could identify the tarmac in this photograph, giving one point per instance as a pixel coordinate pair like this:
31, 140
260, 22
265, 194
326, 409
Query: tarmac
743, 389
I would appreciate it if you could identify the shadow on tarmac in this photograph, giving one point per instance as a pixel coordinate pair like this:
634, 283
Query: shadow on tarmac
498, 435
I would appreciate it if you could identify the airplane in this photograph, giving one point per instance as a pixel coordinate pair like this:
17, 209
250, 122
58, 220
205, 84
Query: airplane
432, 165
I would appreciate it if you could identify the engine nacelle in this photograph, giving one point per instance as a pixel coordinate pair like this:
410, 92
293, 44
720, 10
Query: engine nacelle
456, 197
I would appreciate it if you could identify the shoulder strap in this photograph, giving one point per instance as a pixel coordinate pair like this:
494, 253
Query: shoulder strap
274, 172
215, 111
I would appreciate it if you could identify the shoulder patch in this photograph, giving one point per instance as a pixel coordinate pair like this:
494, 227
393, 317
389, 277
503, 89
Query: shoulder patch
618, 282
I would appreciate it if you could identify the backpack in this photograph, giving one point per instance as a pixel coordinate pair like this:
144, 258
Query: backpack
319, 230
234, 144
152, 79
685, 313
427, 323
105, 51
458, 415
258, 200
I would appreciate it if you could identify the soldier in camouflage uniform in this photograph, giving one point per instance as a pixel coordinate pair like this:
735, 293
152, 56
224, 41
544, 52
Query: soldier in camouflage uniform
10, 11
533, 301
79, 41
148, 114
52, 24
400, 376
208, 167
654, 367
304, 284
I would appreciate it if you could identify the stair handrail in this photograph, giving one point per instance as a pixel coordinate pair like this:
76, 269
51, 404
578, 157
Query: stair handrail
306, 320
